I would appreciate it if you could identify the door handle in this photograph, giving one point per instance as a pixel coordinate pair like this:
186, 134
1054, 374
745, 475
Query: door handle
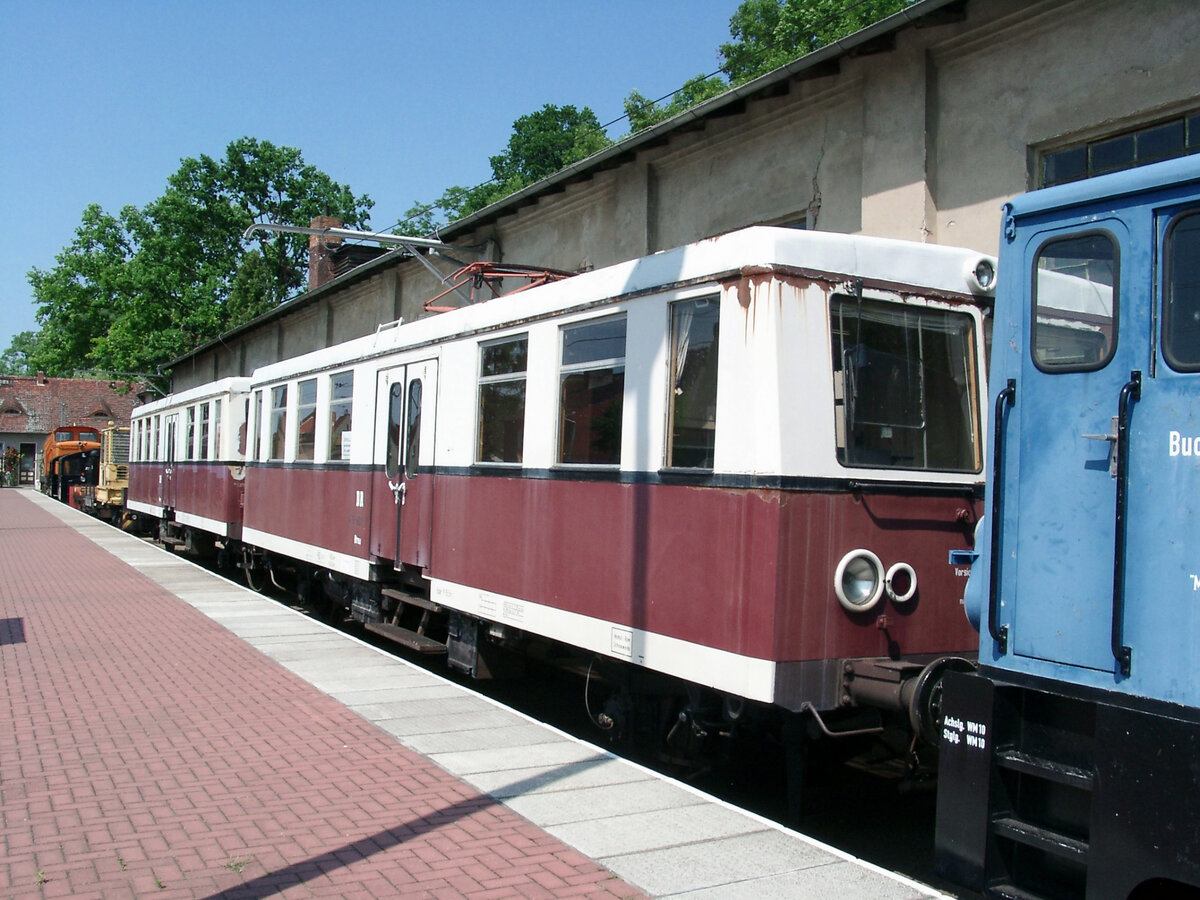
1113, 438
399, 491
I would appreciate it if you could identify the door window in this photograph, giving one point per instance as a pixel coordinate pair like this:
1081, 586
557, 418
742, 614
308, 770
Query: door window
1181, 299
412, 448
1075, 303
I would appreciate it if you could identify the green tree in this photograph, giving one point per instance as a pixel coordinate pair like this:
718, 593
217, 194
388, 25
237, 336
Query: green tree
15, 360
771, 33
643, 112
133, 291
542, 143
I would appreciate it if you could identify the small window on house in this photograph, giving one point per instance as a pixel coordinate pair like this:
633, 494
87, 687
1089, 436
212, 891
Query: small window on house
278, 421
1075, 303
341, 408
693, 401
591, 392
1167, 139
205, 413
1181, 297
306, 412
502, 401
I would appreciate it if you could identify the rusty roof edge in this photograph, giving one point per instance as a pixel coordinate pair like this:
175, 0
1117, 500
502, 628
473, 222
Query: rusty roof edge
907, 16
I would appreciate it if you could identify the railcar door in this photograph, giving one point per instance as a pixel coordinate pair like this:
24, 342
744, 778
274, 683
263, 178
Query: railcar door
166, 498
1160, 620
407, 395
1087, 330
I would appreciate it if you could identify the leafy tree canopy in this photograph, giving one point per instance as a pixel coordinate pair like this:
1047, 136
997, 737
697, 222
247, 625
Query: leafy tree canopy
542, 143
15, 360
134, 290
771, 33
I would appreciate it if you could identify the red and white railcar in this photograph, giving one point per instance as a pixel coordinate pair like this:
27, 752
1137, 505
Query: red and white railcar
187, 463
741, 463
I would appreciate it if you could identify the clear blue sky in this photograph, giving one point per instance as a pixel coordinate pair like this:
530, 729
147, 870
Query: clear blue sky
99, 101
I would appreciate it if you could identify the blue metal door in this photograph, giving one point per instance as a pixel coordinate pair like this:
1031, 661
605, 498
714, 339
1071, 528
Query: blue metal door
1087, 334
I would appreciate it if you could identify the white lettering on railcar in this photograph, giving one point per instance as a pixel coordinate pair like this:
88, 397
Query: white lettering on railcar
956, 731
1178, 445
1196, 582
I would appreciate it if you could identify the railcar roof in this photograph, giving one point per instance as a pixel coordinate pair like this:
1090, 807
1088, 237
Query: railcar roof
212, 389
1109, 188
834, 257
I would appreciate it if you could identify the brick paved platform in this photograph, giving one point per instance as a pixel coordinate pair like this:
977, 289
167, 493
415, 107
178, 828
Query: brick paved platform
169, 734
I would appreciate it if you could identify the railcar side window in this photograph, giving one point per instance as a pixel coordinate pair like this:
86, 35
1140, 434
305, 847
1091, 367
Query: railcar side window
306, 412
591, 392
502, 401
693, 383
1181, 298
278, 421
257, 437
905, 386
189, 432
1075, 304
341, 406
216, 453
204, 420
412, 450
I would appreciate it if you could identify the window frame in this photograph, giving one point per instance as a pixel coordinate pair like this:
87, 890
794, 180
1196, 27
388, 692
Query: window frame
1191, 214
1114, 318
276, 437
675, 374
614, 364
338, 400
305, 451
501, 379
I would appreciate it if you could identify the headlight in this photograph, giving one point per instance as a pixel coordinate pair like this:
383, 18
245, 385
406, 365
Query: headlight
858, 581
981, 276
900, 582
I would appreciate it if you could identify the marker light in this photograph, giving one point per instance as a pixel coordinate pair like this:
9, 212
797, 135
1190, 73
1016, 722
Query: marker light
858, 581
900, 582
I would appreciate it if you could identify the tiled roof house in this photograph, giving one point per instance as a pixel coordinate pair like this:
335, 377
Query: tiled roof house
33, 406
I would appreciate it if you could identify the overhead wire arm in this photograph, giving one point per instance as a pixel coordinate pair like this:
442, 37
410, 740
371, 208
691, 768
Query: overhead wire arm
408, 242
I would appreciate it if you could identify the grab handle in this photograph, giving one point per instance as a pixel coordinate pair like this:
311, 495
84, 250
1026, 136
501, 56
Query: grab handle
1007, 397
1129, 394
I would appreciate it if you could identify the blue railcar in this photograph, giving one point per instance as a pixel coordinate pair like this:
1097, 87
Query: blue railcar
1070, 763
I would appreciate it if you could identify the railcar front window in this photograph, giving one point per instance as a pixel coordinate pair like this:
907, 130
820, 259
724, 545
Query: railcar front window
502, 401
395, 422
905, 386
341, 407
1181, 299
1075, 304
278, 421
216, 453
591, 392
693, 383
306, 412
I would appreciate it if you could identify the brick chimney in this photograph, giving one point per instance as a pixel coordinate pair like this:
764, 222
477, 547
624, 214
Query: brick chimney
320, 259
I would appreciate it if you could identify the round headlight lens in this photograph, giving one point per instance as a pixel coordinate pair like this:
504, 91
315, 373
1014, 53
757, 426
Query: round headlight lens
985, 274
858, 581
